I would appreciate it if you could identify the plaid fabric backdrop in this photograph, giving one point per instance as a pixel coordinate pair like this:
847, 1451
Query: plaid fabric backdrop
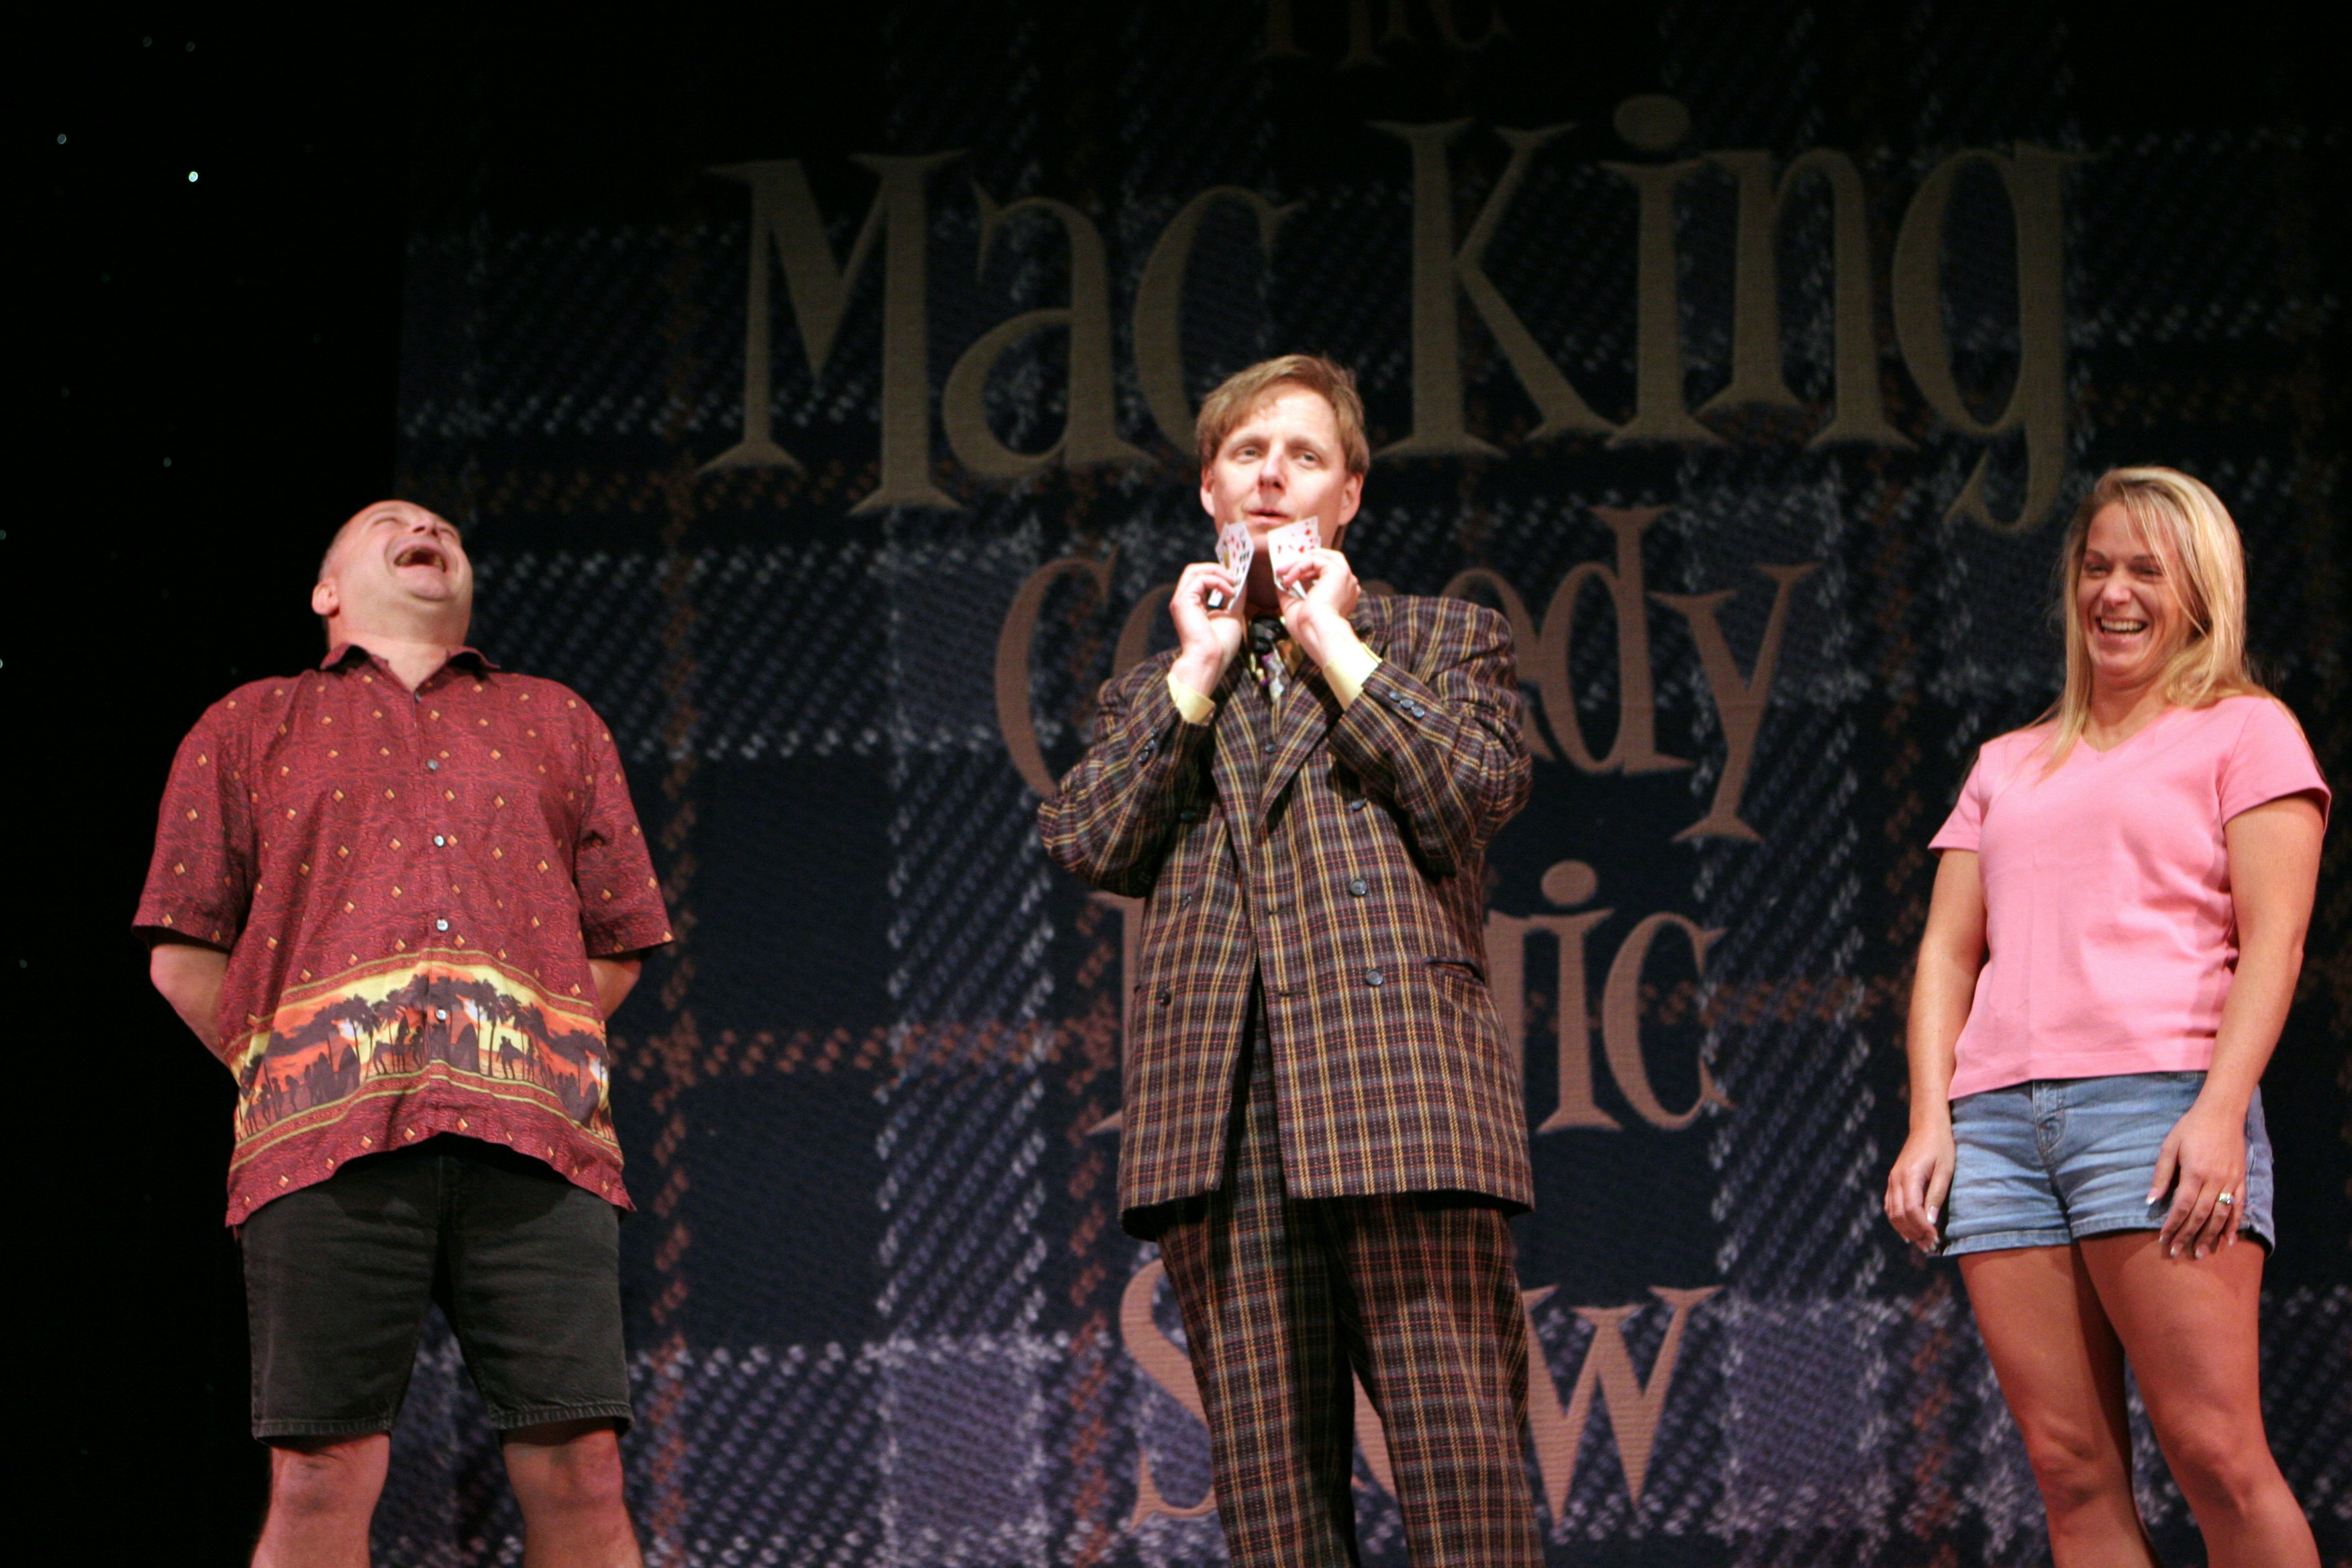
1773, 582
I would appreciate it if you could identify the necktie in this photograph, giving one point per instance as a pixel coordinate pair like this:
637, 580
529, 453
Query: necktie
1265, 638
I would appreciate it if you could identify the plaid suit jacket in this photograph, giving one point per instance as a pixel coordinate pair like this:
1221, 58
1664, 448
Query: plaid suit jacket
1341, 859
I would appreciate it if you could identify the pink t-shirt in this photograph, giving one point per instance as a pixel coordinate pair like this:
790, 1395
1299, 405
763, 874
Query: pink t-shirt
2106, 885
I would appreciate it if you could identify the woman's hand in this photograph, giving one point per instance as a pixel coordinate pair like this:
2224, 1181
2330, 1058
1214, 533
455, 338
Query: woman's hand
2204, 1157
1917, 1186
1951, 954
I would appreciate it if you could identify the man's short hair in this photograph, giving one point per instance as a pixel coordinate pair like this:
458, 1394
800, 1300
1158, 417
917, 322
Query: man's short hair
326, 556
1243, 390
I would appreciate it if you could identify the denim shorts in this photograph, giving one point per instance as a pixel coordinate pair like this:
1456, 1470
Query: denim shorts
2048, 1162
526, 1266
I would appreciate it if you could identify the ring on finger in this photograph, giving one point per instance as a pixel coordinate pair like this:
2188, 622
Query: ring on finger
2225, 1200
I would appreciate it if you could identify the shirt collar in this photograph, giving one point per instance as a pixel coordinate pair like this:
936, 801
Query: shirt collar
340, 655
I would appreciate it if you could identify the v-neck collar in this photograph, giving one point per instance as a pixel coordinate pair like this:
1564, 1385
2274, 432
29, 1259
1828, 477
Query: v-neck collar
2163, 713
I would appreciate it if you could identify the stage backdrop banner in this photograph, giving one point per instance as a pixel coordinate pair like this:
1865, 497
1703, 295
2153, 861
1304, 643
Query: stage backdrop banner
840, 487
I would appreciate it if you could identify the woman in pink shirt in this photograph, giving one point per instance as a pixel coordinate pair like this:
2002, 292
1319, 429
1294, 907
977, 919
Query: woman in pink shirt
2116, 932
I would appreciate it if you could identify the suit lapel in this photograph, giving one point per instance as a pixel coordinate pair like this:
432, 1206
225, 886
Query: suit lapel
1235, 759
1308, 711
1299, 726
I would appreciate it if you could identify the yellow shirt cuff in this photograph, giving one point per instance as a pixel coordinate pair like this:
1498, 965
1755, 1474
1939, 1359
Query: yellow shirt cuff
1190, 706
1349, 667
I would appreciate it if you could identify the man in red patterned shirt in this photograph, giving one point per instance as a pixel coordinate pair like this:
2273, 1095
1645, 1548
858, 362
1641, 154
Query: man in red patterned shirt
398, 895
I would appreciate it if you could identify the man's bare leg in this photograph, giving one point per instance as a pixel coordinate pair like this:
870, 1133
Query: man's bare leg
567, 1476
322, 1493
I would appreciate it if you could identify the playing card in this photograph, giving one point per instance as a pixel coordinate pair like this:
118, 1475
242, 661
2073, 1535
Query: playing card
1235, 549
1293, 541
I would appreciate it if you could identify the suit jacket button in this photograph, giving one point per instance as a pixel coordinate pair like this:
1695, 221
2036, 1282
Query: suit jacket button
1374, 977
1356, 887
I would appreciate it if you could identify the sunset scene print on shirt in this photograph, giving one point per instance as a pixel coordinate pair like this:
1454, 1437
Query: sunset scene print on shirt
384, 1026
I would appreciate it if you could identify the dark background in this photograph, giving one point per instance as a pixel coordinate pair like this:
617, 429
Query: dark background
212, 389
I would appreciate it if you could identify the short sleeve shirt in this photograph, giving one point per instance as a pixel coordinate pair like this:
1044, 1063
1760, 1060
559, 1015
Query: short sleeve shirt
409, 887
2106, 883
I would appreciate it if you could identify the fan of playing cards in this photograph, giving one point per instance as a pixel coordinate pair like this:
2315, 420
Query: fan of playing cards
1235, 551
1290, 543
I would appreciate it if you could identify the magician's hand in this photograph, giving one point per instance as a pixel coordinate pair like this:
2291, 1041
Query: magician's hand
1317, 616
1206, 639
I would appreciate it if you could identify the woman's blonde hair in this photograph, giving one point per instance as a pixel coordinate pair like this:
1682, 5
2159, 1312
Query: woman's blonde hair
2185, 524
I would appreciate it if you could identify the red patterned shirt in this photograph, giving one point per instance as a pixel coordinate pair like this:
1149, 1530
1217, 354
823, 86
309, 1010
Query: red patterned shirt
409, 887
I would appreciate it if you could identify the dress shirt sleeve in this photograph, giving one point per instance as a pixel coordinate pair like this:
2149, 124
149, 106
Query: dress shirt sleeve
1195, 708
200, 882
1436, 734
621, 909
1348, 669
1110, 820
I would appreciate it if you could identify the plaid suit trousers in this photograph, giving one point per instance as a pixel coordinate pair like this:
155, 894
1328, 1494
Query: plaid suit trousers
1282, 1298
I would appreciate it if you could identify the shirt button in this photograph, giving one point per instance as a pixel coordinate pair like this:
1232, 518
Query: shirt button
1356, 887
433, 764
1374, 977
439, 842
440, 925
1357, 804
441, 1014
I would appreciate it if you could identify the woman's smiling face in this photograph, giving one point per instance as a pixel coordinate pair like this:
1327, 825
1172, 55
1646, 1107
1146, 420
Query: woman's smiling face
2128, 596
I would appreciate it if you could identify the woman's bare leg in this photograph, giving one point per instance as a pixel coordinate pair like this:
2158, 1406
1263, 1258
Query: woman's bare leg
2061, 1371
2191, 1328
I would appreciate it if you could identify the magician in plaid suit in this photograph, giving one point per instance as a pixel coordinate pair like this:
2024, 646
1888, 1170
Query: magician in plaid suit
1323, 1122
